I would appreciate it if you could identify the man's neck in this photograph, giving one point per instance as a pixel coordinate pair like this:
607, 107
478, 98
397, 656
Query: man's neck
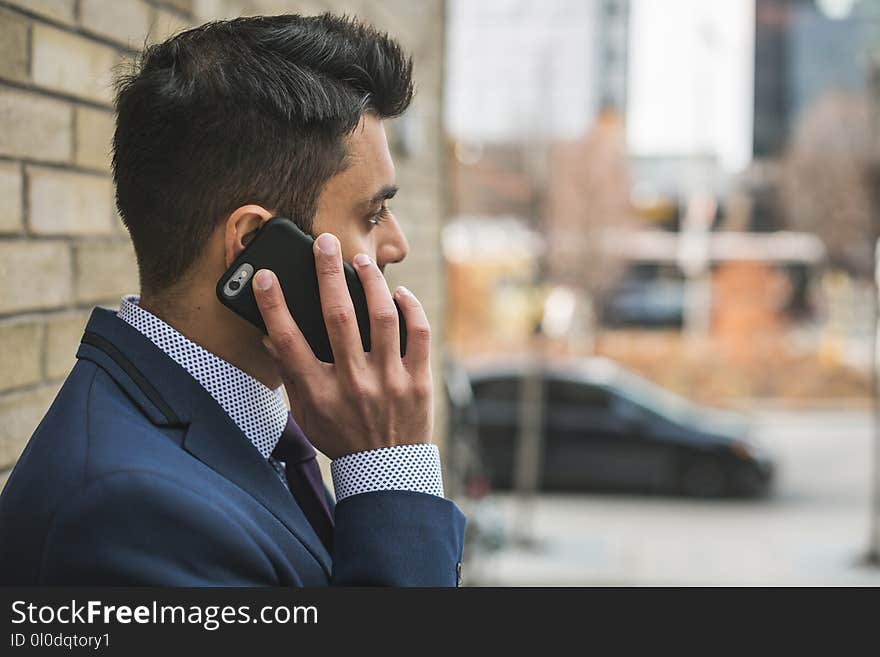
202, 319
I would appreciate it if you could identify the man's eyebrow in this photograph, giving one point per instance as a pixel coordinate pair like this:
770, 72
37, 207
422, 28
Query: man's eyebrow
387, 192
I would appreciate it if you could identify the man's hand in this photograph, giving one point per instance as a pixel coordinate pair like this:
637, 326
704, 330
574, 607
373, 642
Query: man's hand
361, 401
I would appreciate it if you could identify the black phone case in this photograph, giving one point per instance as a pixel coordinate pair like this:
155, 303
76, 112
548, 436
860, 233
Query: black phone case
282, 247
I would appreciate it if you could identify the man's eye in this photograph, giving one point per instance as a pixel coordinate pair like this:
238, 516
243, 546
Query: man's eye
379, 217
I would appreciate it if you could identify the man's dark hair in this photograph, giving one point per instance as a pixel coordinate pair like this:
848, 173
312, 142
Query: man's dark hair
250, 110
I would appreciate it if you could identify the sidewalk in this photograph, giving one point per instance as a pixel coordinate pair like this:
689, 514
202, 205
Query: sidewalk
812, 531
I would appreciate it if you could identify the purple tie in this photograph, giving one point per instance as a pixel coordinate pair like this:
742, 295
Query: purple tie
304, 479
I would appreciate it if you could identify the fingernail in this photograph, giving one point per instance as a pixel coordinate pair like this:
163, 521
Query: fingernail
326, 244
263, 280
361, 259
270, 347
401, 291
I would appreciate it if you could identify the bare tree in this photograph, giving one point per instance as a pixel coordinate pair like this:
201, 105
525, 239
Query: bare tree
830, 184
587, 193
826, 186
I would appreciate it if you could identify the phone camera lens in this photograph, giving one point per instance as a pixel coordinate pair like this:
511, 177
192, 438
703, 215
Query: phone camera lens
234, 285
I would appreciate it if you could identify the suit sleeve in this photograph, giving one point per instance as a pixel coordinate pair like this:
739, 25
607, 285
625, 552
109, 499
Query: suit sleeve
142, 529
397, 538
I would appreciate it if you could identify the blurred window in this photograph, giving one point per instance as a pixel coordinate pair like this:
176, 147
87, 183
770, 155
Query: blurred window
506, 389
577, 394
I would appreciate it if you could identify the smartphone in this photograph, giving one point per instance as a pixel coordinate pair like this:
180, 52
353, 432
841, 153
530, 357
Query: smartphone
281, 246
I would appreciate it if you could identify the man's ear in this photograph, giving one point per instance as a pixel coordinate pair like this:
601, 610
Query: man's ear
241, 227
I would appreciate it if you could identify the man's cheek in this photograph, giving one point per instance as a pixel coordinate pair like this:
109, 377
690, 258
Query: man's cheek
352, 246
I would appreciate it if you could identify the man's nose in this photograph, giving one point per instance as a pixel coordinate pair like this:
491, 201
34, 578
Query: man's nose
393, 247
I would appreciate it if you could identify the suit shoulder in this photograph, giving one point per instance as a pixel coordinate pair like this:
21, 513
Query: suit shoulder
141, 527
56, 449
86, 401
91, 428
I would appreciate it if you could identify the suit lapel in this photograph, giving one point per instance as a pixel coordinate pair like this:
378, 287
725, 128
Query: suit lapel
211, 436
227, 451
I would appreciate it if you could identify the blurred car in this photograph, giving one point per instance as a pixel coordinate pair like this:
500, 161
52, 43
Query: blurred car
645, 302
608, 429
465, 477
465, 471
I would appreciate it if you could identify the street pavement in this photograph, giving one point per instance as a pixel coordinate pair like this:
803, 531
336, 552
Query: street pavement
812, 530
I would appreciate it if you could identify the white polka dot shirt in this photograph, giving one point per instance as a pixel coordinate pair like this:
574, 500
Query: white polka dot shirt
261, 414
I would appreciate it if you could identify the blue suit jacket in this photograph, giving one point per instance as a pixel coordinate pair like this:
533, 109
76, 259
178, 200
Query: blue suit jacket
136, 476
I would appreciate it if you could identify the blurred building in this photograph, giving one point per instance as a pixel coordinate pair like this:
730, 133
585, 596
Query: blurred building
520, 77
806, 147
495, 180
613, 50
63, 249
812, 133
537, 95
690, 83
804, 49
875, 121
492, 278
522, 72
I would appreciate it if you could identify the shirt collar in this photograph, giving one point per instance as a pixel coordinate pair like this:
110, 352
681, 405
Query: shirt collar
260, 413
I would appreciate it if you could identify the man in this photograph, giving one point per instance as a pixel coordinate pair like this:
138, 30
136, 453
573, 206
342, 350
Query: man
169, 456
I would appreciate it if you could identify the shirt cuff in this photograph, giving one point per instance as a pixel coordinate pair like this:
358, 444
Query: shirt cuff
401, 467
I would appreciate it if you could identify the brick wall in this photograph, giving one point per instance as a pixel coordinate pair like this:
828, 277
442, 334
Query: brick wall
63, 248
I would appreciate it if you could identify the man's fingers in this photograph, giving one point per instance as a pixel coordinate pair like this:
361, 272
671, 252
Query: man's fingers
384, 322
418, 332
336, 305
286, 342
